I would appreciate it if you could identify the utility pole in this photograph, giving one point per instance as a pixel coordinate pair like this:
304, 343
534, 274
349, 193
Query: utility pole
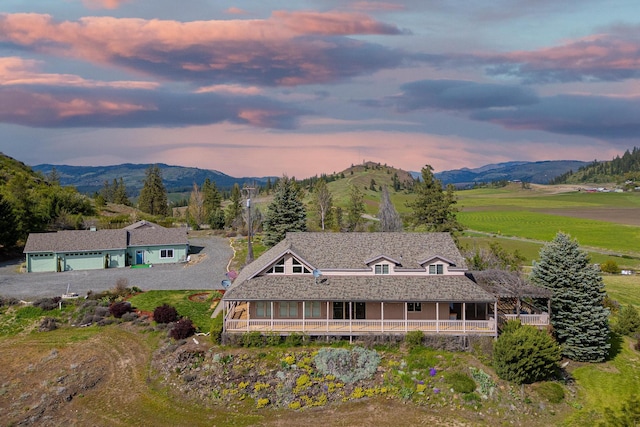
248, 191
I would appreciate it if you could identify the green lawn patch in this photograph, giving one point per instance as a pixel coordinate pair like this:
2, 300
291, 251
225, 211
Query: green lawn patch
624, 289
606, 385
199, 312
543, 227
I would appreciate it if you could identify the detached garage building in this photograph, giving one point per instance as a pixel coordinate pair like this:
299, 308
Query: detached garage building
97, 249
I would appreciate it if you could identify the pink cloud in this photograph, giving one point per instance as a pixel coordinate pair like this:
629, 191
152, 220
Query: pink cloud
333, 23
18, 71
103, 4
233, 89
235, 11
267, 51
610, 57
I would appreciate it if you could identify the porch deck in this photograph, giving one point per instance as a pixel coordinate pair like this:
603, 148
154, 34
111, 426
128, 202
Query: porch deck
362, 327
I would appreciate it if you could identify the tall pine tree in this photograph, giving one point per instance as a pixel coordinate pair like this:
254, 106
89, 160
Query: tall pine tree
153, 196
434, 208
286, 212
578, 316
355, 208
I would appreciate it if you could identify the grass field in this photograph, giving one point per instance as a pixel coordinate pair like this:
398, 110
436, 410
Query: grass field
198, 311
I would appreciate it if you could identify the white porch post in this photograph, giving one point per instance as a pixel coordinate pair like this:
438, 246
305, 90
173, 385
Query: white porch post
248, 316
464, 317
304, 314
382, 316
328, 303
437, 317
406, 326
225, 312
271, 313
350, 318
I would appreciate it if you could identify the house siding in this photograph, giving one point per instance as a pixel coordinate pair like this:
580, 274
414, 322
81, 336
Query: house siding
152, 254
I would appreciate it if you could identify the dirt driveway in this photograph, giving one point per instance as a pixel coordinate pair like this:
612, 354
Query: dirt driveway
209, 259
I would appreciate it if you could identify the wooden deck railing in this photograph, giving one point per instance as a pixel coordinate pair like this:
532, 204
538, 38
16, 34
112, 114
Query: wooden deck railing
530, 319
361, 327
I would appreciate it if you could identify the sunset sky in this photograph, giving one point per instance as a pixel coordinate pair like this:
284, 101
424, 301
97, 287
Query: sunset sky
257, 88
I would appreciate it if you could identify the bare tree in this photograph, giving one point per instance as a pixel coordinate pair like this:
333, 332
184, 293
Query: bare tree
388, 215
322, 201
196, 206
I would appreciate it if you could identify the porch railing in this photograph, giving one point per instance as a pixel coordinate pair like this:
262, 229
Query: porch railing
356, 327
530, 319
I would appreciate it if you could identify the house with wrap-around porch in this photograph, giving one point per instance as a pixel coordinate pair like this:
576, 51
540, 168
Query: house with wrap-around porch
350, 284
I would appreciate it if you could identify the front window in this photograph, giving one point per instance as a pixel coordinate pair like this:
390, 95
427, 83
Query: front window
288, 309
382, 269
414, 306
166, 253
312, 309
436, 269
263, 309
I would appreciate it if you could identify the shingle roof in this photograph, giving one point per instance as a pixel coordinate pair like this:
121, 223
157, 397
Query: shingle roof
352, 250
327, 251
142, 224
360, 288
157, 236
76, 240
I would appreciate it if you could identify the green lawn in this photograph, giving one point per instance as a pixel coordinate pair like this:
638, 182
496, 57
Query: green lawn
624, 289
198, 312
544, 227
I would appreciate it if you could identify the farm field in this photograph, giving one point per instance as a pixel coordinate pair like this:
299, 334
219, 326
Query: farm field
603, 223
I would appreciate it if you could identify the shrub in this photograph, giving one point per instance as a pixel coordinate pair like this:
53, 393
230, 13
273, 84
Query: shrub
118, 309
216, 329
628, 321
347, 365
552, 392
461, 382
130, 316
182, 329
47, 304
48, 324
165, 314
414, 339
609, 266
294, 340
7, 301
525, 354
252, 339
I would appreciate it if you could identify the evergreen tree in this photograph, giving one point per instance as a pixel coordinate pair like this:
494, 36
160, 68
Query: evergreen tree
153, 196
212, 204
434, 208
233, 215
54, 176
578, 316
120, 193
387, 214
8, 224
355, 208
524, 354
286, 212
322, 202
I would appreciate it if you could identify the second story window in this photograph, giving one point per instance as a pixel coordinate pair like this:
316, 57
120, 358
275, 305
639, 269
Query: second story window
382, 269
278, 267
436, 269
298, 268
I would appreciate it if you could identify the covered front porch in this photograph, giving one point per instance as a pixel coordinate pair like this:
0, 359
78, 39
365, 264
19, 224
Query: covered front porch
356, 318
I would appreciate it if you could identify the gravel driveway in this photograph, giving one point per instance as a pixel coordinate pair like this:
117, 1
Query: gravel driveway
209, 259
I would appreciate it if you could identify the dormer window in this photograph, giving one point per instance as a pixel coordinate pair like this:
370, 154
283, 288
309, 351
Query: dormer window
278, 267
436, 269
298, 268
381, 268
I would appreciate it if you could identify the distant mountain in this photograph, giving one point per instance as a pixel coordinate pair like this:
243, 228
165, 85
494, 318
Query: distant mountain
620, 169
533, 172
177, 179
